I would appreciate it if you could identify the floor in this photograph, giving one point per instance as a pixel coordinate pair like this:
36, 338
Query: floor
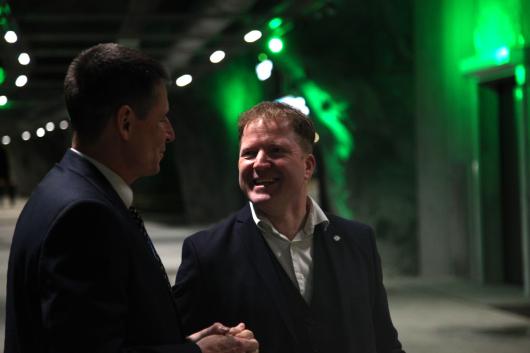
432, 315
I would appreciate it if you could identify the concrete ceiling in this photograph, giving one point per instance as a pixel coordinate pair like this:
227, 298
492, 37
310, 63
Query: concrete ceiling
52, 32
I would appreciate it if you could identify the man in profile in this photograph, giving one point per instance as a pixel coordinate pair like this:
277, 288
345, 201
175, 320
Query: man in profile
305, 281
83, 274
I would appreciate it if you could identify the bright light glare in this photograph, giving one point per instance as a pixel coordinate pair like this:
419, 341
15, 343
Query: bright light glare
3, 100
6, 140
502, 53
23, 59
276, 45
184, 80
21, 81
264, 70
50, 126
295, 102
63, 125
275, 23
11, 37
252, 36
217, 56
40, 132
26, 135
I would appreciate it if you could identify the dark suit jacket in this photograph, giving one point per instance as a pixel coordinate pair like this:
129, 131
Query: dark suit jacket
81, 276
229, 274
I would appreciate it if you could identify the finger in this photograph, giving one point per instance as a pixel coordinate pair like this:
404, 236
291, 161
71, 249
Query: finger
237, 329
215, 329
245, 334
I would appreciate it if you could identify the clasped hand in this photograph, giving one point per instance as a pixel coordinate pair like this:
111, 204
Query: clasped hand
221, 339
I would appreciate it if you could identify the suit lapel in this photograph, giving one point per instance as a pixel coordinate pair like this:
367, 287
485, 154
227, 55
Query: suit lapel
331, 242
257, 252
82, 167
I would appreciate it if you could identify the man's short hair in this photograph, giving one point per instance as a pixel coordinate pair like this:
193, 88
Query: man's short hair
103, 78
281, 113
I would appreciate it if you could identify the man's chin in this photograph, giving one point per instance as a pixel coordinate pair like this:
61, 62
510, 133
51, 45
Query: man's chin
259, 198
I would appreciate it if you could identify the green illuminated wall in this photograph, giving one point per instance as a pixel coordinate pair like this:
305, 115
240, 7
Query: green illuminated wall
232, 91
354, 68
456, 41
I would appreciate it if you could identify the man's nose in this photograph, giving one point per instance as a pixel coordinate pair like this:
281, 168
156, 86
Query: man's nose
170, 133
261, 160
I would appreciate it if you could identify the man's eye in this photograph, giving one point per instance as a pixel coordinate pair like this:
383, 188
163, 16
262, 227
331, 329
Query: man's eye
248, 154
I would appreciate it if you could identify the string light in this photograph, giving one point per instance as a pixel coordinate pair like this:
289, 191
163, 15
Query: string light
24, 59
184, 80
21, 81
63, 125
10, 37
217, 56
252, 36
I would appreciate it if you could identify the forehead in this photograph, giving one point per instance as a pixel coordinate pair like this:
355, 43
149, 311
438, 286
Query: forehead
262, 129
268, 134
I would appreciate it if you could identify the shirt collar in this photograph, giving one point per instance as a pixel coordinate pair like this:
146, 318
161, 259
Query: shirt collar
123, 190
315, 217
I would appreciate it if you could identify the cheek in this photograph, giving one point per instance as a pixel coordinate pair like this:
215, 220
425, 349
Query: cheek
243, 167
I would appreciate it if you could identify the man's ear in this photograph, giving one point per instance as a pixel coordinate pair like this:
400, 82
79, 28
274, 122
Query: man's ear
310, 165
124, 119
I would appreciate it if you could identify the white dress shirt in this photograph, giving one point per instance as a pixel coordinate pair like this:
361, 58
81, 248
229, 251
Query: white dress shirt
123, 190
295, 256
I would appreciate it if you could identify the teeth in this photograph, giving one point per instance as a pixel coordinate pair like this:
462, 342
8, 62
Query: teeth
263, 181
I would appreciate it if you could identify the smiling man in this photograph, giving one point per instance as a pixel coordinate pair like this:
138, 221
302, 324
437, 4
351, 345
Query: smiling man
303, 280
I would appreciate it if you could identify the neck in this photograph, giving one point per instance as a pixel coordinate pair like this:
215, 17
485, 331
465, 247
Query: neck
106, 154
289, 220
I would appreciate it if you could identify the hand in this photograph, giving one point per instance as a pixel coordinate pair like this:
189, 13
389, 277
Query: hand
227, 344
215, 329
241, 332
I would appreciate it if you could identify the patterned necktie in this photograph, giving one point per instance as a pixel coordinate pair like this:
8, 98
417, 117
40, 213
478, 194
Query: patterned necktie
140, 223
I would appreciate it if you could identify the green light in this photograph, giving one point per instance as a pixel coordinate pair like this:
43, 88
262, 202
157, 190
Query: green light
332, 113
521, 40
502, 55
5, 10
520, 75
275, 45
518, 94
234, 90
262, 57
2, 75
275, 23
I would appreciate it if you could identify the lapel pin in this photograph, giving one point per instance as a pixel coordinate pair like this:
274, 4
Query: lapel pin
336, 237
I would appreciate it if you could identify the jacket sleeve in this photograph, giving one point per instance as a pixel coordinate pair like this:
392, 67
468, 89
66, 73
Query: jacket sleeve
385, 334
189, 292
83, 276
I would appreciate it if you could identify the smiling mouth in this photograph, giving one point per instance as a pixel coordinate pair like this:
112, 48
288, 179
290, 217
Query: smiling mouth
264, 181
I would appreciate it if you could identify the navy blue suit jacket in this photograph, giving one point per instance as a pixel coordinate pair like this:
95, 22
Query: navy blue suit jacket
81, 276
227, 274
